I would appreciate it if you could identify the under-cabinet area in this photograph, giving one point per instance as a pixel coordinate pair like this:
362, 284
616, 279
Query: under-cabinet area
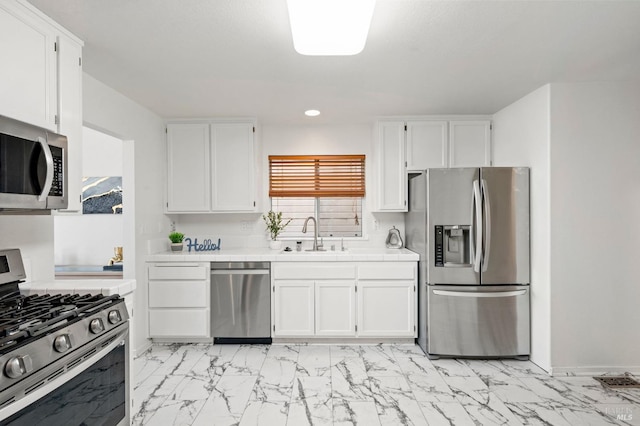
310, 300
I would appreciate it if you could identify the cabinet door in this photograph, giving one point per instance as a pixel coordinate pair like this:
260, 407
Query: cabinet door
188, 185
232, 167
335, 308
28, 90
469, 143
392, 176
386, 308
293, 308
179, 323
70, 109
426, 144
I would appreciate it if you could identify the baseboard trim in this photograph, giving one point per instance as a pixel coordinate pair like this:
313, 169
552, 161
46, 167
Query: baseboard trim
593, 371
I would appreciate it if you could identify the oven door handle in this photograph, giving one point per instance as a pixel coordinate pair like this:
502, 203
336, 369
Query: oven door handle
63, 378
48, 180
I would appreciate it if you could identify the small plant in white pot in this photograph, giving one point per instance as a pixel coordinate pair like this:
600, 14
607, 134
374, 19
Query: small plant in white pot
275, 225
176, 240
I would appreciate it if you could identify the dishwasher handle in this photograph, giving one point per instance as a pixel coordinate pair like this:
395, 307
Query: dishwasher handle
239, 272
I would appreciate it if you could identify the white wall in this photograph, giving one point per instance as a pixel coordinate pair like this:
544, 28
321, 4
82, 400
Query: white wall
144, 152
33, 235
595, 227
521, 138
248, 230
581, 141
90, 239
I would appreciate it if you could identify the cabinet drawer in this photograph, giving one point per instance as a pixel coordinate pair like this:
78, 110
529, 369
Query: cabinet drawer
178, 272
179, 322
173, 294
314, 270
387, 271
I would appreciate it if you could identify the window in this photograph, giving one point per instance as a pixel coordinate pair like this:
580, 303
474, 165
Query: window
329, 188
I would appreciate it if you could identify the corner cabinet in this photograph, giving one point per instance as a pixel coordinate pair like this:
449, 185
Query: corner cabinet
211, 167
179, 301
344, 299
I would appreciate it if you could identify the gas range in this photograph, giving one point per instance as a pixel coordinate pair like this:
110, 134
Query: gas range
48, 340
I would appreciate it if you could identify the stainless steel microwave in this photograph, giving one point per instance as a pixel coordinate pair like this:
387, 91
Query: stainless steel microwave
33, 167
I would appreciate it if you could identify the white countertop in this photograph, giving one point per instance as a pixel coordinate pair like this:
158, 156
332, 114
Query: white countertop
268, 255
89, 286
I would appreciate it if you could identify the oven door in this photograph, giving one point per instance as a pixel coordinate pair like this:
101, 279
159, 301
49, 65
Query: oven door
88, 387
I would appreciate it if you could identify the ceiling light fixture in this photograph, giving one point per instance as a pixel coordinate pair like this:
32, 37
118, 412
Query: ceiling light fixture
330, 27
312, 113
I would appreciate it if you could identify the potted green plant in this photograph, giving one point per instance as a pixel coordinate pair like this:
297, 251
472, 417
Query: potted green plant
275, 225
176, 240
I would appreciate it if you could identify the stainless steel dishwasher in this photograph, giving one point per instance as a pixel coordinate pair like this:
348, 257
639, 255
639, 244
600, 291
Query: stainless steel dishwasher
241, 302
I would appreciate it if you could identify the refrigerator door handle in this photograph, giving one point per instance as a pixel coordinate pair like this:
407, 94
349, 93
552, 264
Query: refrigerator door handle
487, 217
477, 200
478, 294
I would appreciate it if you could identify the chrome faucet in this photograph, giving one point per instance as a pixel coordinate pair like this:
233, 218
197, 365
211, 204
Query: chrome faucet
315, 232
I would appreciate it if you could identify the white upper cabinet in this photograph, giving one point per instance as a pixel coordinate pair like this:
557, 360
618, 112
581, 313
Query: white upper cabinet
469, 143
41, 81
188, 186
414, 145
233, 167
28, 75
392, 175
439, 143
70, 111
211, 167
427, 144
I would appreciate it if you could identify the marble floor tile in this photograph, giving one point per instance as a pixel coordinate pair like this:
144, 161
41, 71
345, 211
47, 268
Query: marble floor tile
265, 413
303, 384
227, 401
314, 361
350, 381
247, 360
446, 414
380, 361
354, 413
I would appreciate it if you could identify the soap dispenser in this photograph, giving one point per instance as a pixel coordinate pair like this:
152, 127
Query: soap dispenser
393, 239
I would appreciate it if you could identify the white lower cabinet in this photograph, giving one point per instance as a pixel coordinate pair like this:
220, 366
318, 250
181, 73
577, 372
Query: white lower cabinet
344, 299
179, 300
335, 308
386, 309
294, 308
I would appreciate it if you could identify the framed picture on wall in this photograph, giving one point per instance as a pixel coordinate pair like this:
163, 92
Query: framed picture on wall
102, 195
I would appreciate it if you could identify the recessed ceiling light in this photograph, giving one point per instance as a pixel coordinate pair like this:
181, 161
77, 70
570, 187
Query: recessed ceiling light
312, 113
330, 27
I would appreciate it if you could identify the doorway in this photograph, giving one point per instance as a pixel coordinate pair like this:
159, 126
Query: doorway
86, 242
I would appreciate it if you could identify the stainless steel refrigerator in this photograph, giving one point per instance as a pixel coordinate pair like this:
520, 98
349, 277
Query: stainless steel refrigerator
470, 227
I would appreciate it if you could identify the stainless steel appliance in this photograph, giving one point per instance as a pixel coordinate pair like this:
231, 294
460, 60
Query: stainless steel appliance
33, 167
470, 227
241, 302
64, 358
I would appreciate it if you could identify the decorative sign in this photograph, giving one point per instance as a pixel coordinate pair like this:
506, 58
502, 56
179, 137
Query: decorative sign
207, 245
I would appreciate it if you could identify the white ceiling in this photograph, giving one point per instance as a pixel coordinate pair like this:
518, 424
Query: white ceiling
197, 58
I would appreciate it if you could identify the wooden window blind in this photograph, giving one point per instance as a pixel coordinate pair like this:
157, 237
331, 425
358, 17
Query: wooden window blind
316, 176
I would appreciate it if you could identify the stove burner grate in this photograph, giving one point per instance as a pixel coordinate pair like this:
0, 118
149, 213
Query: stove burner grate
22, 316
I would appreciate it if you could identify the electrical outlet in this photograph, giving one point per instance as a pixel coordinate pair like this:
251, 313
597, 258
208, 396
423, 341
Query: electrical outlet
246, 226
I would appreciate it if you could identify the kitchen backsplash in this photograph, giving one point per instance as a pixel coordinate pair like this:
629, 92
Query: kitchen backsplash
248, 231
